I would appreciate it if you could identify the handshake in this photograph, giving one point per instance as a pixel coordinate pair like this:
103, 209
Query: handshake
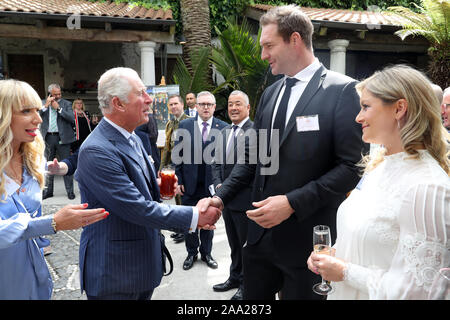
209, 211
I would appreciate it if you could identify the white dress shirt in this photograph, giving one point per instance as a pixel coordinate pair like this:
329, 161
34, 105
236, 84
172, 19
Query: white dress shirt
304, 76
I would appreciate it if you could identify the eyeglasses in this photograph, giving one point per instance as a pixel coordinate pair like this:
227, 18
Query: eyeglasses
206, 105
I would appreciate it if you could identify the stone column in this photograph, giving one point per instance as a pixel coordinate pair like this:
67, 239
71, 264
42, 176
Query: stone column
148, 62
338, 48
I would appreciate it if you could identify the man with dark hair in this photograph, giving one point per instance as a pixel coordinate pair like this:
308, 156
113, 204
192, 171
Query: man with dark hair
191, 102
308, 120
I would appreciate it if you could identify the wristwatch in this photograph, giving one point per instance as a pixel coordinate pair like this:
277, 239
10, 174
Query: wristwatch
54, 224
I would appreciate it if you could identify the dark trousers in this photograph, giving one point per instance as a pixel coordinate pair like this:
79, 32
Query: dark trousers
200, 239
265, 274
236, 228
146, 295
52, 149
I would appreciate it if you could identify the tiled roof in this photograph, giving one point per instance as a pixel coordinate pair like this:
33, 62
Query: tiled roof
346, 16
87, 8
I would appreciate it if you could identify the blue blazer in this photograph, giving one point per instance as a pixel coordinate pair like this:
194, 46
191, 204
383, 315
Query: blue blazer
122, 253
187, 171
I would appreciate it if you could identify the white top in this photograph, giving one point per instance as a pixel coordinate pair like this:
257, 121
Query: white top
303, 77
394, 230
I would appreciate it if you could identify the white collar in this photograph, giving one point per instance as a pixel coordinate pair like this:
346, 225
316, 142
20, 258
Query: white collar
240, 124
124, 132
306, 74
209, 121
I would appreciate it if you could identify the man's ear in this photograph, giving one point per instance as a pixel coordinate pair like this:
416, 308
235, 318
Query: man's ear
401, 109
117, 104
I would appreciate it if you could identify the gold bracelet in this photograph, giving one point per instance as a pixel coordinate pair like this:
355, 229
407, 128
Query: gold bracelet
54, 224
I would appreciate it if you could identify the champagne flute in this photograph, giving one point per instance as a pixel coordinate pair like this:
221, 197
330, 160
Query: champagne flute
322, 245
440, 289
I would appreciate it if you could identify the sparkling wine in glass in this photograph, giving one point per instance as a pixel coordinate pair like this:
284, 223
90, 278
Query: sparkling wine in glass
440, 289
322, 245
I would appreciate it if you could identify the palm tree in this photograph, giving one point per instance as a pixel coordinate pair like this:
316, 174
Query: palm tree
238, 60
432, 23
196, 27
196, 78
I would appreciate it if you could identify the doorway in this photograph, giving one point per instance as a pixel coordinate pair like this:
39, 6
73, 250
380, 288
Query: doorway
28, 68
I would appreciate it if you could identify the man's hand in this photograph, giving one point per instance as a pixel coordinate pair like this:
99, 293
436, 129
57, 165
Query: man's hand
54, 104
49, 100
204, 203
180, 189
208, 218
57, 168
271, 211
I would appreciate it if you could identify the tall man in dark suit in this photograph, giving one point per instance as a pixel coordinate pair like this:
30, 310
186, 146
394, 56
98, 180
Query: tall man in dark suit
122, 257
194, 172
57, 130
234, 212
311, 113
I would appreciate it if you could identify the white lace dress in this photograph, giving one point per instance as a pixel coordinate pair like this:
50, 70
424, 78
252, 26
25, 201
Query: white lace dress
394, 230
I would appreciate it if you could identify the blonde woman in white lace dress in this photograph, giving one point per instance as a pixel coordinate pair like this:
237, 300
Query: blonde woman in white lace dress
393, 230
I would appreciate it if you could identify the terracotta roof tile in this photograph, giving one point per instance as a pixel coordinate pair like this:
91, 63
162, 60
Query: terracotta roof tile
338, 15
105, 9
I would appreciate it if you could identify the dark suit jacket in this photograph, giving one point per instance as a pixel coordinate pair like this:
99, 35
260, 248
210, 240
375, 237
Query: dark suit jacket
122, 253
65, 120
224, 165
187, 171
316, 168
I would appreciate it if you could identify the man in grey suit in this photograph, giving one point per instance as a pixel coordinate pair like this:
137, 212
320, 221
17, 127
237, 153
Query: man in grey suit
122, 258
57, 130
234, 213
307, 119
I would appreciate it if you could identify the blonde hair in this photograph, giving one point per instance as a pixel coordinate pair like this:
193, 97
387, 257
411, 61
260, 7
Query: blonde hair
422, 125
82, 104
15, 96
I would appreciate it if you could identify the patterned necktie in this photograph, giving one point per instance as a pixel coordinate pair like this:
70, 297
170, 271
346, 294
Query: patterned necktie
155, 189
280, 119
52, 126
205, 131
232, 141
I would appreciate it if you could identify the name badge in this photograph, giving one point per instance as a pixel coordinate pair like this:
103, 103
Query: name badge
308, 123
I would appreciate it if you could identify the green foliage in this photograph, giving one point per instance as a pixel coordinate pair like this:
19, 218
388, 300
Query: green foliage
238, 60
432, 22
341, 4
197, 80
149, 4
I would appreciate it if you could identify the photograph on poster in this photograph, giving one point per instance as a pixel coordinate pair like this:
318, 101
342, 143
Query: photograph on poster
159, 95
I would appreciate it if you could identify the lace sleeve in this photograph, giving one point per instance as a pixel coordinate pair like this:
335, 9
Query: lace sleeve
424, 246
423, 249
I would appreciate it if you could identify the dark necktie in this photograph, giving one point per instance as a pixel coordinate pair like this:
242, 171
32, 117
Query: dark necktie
280, 119
232, 141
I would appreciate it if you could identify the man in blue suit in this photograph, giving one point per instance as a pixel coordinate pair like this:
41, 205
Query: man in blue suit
194, 172
122, 258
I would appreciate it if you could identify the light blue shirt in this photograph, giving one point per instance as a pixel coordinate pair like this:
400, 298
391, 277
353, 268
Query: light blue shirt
23, 271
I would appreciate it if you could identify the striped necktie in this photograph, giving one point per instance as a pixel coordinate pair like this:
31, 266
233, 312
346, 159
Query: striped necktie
52, 125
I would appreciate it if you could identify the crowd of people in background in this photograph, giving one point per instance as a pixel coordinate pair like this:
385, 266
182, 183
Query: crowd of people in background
388, 210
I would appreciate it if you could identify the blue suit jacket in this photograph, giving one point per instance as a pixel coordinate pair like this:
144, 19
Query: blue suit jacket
122, 253
187, 171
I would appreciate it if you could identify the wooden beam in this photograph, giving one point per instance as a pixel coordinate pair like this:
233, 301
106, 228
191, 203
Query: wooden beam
83, 34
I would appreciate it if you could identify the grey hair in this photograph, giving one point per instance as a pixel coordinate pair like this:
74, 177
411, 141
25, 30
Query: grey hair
53, 86
206, 93
114, 83
438, 92
243, 94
